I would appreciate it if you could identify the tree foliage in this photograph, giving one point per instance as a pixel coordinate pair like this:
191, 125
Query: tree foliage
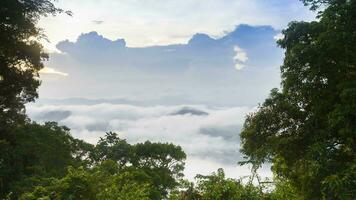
32, 152
102, 183
217, 187
307, 130
21, 54
163, 163
35, 158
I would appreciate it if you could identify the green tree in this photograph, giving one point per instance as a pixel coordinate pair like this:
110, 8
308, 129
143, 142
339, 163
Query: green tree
217, 187
33, 153
307, 130
283, 189
103, 182
186, 191
21, 55
163, 163
113, 148
114, 182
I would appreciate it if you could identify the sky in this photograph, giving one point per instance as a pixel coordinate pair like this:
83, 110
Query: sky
186, 72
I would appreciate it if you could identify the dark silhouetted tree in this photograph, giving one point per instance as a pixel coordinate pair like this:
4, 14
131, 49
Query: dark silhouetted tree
307, 130
21, 55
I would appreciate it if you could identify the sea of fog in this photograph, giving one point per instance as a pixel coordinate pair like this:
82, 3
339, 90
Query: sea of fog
209, 135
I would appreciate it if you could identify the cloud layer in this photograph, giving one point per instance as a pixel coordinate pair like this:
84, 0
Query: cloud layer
209, 135
236, 69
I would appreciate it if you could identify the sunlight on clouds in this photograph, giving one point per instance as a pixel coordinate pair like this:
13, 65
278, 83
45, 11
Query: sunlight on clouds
240, 54
166, 74
147, 23
48, 70
239, 66
279, 36
240, 58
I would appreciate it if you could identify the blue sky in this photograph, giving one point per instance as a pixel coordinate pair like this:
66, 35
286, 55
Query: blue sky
130, 66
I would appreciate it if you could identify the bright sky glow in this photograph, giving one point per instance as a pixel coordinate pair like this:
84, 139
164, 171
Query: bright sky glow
158, 22
48, 70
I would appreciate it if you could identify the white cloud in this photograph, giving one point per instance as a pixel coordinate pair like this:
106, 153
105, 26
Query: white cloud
240, 57
239, 66
194, 73
217, 146
279, 36
48, 70
148, 22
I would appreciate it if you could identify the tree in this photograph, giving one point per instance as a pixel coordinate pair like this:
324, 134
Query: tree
163, 163
21, 55
186, 191
103, 182
28, 149
34, 153
217, 187
284, 190
35, 157
307, 130
126, 185
113, 148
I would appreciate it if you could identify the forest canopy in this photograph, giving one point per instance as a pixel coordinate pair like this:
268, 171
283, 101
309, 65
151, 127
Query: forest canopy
307, 128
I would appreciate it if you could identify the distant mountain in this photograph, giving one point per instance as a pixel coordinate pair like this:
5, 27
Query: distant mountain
191, 111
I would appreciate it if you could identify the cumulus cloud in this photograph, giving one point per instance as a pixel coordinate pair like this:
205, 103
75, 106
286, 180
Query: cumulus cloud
209, 138
202, 71
240, 57
146, 22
